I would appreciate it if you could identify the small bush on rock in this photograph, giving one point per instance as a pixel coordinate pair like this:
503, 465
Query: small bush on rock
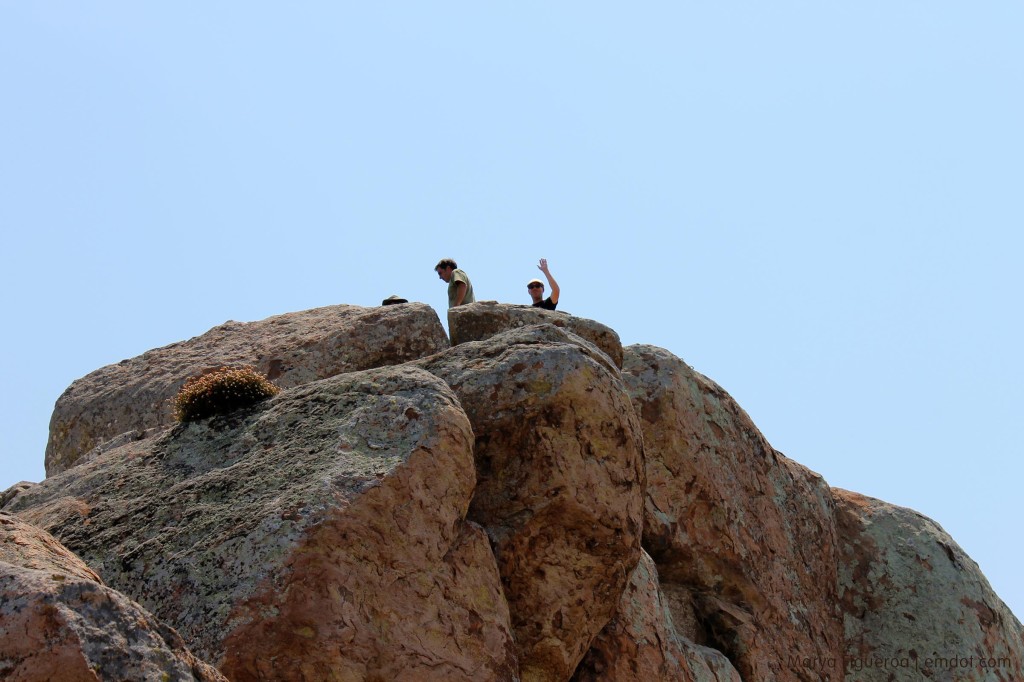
221, 391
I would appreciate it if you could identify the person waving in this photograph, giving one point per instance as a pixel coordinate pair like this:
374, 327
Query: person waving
536, 289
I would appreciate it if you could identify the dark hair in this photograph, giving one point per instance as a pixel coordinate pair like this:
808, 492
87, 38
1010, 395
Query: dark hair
446, 263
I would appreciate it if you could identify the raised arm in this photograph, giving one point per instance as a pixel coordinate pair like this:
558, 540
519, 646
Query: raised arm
552, 284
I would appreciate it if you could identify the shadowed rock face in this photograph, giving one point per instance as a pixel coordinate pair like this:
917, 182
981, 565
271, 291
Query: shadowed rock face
909, 594
58, 622
560, 481
642, 642
292, 349
319, 533
743, 536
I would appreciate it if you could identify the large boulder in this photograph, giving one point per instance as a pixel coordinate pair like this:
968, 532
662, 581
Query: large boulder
559, 483
135, 395
479, 321
642, 641
915, 606
744, 539
321, 533
59, 622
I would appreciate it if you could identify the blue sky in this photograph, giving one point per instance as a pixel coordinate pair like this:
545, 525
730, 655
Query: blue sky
817, 205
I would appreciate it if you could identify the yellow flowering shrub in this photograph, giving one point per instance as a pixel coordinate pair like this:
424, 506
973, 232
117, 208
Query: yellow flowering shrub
221, 391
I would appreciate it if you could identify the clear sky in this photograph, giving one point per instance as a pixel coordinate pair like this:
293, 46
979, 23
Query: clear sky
818, 205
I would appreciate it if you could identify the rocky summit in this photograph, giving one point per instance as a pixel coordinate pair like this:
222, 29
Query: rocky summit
530, 501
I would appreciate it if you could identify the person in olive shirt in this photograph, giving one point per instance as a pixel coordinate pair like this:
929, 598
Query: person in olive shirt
536, 289
460, 289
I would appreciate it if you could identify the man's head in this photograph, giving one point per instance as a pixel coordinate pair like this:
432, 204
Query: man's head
444, 268
536, 289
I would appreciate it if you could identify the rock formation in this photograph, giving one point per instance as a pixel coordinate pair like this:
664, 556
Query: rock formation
485, 319
643, 642
323, 530
743, 537
560, 483
533, 503
904, 583
135, 395
59, 622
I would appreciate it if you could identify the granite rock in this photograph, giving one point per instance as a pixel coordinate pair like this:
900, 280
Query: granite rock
132, 397
559, 483
913, 599
744, 535
482, 320
406, 510
642, 641
59, 622
321, 532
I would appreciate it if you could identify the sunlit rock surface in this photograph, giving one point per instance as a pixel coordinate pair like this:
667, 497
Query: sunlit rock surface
744, 535
560, 481
136, 395
914, 600
59, 622
323, 530
482, 320
531, 503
